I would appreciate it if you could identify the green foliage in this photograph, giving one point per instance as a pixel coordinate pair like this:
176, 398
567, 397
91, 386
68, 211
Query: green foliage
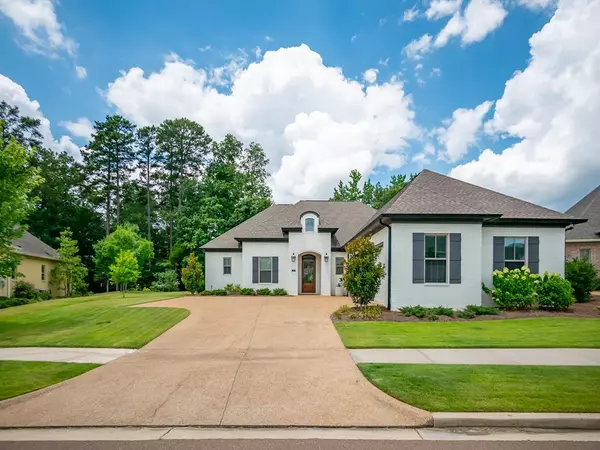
582, 276
17, 180
233, 288
125, 270
422, 312
263, 291
124, 238
466, 314
24, 289
513, 289
69, 274
554, 292
362, 271
217, 292
443, 311
165, 281
372, 312
479, 310
279, 292
371, 194
247, 291
7, 302
192, 275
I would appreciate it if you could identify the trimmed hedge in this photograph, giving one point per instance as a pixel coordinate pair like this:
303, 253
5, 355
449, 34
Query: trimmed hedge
7, 302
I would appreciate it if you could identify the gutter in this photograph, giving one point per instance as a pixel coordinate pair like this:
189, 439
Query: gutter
389, 267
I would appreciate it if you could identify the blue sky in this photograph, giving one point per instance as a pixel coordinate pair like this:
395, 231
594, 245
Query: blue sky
425, 106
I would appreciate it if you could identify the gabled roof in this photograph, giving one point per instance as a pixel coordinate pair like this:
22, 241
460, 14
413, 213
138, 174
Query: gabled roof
589, 208
343, 219
29, 245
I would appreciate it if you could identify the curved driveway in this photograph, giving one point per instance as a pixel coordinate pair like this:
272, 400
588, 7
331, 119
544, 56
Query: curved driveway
257, 361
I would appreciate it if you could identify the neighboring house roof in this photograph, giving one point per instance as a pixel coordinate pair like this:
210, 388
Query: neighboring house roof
429, 195
343, 219
29, 245
589, 208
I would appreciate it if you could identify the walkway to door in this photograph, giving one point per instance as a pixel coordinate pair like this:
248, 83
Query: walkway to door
234, 361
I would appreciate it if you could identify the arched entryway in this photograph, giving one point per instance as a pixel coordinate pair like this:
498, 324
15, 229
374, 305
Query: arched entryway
309, 274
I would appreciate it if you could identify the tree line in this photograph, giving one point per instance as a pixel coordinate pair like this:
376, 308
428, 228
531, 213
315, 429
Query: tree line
172, 184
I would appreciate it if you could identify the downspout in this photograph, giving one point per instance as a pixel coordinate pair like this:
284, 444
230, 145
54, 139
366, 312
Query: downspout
389, 265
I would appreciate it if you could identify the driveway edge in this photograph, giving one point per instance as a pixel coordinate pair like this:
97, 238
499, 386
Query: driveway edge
572, 421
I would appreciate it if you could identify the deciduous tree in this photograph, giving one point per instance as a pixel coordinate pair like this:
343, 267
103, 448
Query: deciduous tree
69, 274
125, 270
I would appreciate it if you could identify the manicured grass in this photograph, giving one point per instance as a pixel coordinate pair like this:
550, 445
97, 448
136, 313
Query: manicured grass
543, 332
443, 388
20, 377
101, 320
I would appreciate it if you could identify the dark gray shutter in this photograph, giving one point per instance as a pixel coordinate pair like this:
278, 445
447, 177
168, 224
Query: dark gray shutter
275, 269
533, 254
418, 257
498, 253
255, 269
455, 257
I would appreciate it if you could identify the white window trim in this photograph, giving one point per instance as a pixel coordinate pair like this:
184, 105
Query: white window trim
447, 259
262, 270
230, 265
336, 265
526, 261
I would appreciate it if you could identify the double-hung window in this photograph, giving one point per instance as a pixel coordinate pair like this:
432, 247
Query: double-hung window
265, 270
436, 258
585, 253
339, 265
227, 265
309, 224
514, 252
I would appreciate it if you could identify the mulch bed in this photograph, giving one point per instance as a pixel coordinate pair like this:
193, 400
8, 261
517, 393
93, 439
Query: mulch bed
590, 309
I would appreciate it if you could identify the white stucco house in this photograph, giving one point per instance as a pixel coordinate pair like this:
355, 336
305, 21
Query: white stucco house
440, 238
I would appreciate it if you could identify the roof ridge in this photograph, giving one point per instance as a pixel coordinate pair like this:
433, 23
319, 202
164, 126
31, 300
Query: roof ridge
593, 196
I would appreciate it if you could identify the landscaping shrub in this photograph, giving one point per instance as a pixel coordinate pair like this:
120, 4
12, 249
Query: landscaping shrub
7, 302
371, 312
205, 293
166, 281
554, 292
45, 295
344, 309
192, 275
23, 289
582, 276
466, 314
279, 292
514, 289
443, 311
219, 292
263, 291
422, 312
362, 271
233, 288
247, 291
479, 310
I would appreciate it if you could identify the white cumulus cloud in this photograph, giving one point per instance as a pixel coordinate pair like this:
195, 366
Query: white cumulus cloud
462, 130
82, 127
442, 8
553, 107
37, 22
14, 94
80, 72
314, 123
417, 48
537, 5
370, 75
410, 14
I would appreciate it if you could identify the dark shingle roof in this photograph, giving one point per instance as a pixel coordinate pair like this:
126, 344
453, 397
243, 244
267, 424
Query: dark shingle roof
346, 217
588, 208
433, 193
29, 245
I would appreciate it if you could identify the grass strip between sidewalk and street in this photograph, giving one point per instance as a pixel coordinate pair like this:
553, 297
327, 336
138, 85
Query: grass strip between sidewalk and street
101, 320
489, 388
20, 377
543, 332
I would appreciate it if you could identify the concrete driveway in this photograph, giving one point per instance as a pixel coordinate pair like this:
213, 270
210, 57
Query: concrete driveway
234, 361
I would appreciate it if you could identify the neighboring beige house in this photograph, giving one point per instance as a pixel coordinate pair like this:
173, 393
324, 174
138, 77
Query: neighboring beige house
583, 241
38, 260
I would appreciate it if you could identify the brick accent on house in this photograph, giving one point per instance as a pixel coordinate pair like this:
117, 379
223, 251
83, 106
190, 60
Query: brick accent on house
573, 251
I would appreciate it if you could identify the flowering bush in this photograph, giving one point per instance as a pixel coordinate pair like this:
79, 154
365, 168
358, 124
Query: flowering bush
554, 292
513, 289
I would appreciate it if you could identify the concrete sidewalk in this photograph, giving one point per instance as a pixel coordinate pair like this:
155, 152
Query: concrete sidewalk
502, 356
59, 354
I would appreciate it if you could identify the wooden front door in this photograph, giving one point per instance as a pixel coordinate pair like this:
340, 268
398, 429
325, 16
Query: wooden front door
309, 274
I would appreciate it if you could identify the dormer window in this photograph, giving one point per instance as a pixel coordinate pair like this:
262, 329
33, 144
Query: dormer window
309, 224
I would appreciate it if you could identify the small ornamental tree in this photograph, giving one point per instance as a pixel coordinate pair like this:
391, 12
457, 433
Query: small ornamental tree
192, 275
362, 272
125, 270
69, 275
582, 276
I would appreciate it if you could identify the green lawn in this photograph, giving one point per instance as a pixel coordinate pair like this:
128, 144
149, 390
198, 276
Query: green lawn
20, 377
442, 388
101, 320
543, 332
